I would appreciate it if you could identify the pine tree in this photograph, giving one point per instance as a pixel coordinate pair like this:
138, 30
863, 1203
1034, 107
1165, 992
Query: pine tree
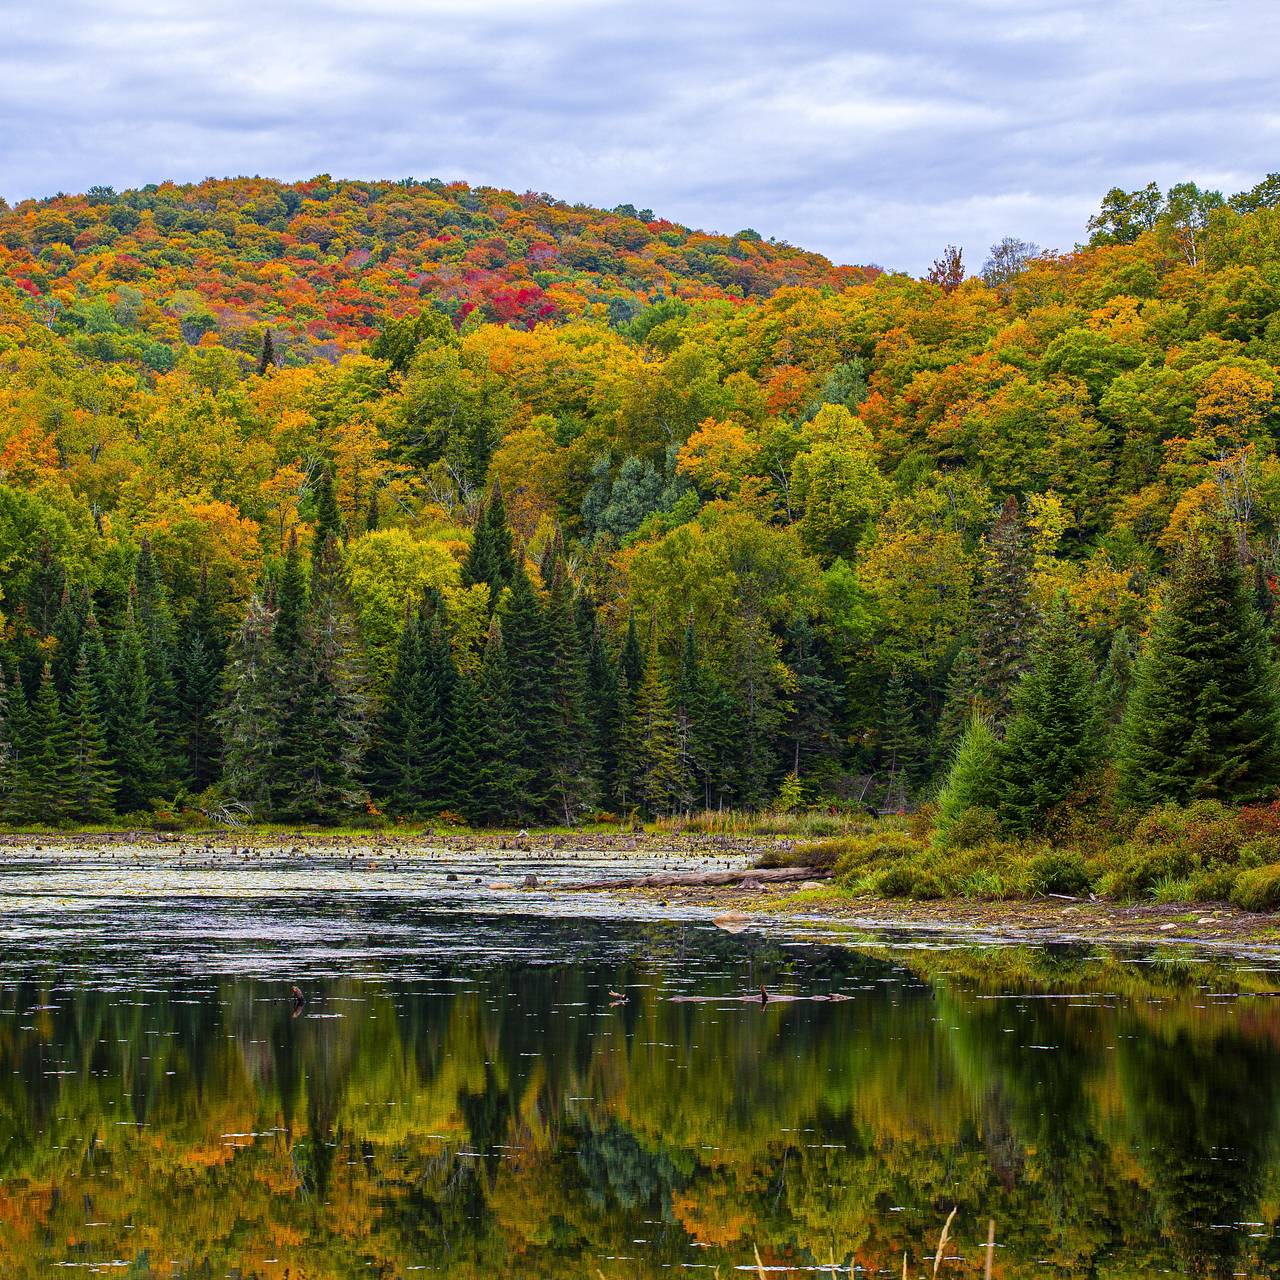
602, 698
290, 599
46, 775
501, 788
67, 629
268, 357
1116, 680
13, 745
527, 652
898, 740
814, 701
426, 784
1004, 613
251, 722
759, 715
960, 702
328, 519
325, 725
571, 764
201, 658
90, 781
1054, 736
973, 779
694, 722
159, 642
491, 558
131, 729
631, 659
1202, 717
387, 760
653, 738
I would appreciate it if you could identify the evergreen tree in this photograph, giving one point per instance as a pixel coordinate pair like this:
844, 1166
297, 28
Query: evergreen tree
758, 716
1202, 716
46, 773
201, 658
67, 628
501, 788
328, 518
491, 558
387, 762
960, 702
602, 699
290, 599
268, 357
326, 715
469, 752
1005, 616
373, 517
631, 659
425, 786
1116, 680
973, 780
898, 740
653, 738
1054, 737
571, 764
159, 642
90, 781
13, 745
698, 714
131, 729
252, 720
815, 700
527, 652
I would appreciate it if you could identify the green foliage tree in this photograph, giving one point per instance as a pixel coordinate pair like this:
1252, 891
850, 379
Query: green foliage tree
1054, 736
1004, 616
973, 780
131, 727
491, 559
1202, 718
90, 782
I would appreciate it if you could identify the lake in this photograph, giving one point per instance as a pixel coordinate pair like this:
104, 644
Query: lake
463, 1095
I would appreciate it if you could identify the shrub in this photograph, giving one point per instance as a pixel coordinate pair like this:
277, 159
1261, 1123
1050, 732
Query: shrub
1258, 889
894, 882
969, 827
862, 853
1057, 871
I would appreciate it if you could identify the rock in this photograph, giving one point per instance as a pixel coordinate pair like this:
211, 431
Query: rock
1165, 928
811, 884
451, 876
498, 885
732, 921
529, 882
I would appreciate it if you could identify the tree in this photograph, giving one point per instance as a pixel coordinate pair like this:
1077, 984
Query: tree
1125, 215
1054, 737
131, 727
42, 794
325, 723
526, 648
571, 764
1007, 258
898, 740
251, 721
90, 782
267, 359
947, 272
1004, 616
500, 790
972, 781
200, 660
815, 700
1203, 717
328, 518
652, 741
491, 558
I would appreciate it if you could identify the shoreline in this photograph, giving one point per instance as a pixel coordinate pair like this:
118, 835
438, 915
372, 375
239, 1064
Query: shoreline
757, 903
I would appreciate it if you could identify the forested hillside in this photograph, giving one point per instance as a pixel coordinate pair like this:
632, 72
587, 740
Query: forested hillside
356, 499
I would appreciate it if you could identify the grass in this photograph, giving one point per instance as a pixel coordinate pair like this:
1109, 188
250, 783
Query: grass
1203, 852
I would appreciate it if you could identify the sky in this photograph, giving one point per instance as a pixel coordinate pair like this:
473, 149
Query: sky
873, 131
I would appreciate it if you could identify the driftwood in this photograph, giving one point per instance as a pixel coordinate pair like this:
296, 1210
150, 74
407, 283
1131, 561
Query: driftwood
699, 879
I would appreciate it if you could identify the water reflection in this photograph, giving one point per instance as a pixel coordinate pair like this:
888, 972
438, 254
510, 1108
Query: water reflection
469, 1118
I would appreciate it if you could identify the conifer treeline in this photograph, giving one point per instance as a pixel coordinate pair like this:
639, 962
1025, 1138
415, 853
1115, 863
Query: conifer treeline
549, 720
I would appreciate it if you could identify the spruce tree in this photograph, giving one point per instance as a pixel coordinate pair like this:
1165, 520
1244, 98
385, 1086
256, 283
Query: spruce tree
325, 730
1116, 680
47, 779
898, 741
290, 600
200, 660
1054, 735
695, 712
972, 781
158, 634
631, 659
491, 559
426, 783
960, 702
328, 518
653, 741
131, 728
252, 720
527, 656
571, 765
13, 745
1003, 611
387, 760
602, 699
758, 715
267, 358
1202, 717
500, 792
469, 751
90, 781
814, 700
67, 629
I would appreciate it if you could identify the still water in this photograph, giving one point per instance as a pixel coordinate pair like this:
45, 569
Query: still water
461, 1095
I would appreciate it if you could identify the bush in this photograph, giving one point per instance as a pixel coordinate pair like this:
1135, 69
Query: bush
1258, 889
970, 827
1058, 871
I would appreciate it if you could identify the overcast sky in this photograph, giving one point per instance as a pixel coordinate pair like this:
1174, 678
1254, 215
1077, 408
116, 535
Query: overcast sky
872, 130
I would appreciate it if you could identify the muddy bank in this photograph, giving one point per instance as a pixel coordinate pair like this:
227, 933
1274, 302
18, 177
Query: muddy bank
1039, 920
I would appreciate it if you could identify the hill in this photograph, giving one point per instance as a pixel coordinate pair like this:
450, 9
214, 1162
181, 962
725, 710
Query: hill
688, 539
323, 263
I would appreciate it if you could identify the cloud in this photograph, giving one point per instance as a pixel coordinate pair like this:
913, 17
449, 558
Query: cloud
870, 132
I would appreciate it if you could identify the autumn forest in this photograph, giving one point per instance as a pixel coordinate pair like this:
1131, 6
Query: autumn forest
357, 502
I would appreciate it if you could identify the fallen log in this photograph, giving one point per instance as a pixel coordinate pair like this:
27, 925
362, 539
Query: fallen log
706, 879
